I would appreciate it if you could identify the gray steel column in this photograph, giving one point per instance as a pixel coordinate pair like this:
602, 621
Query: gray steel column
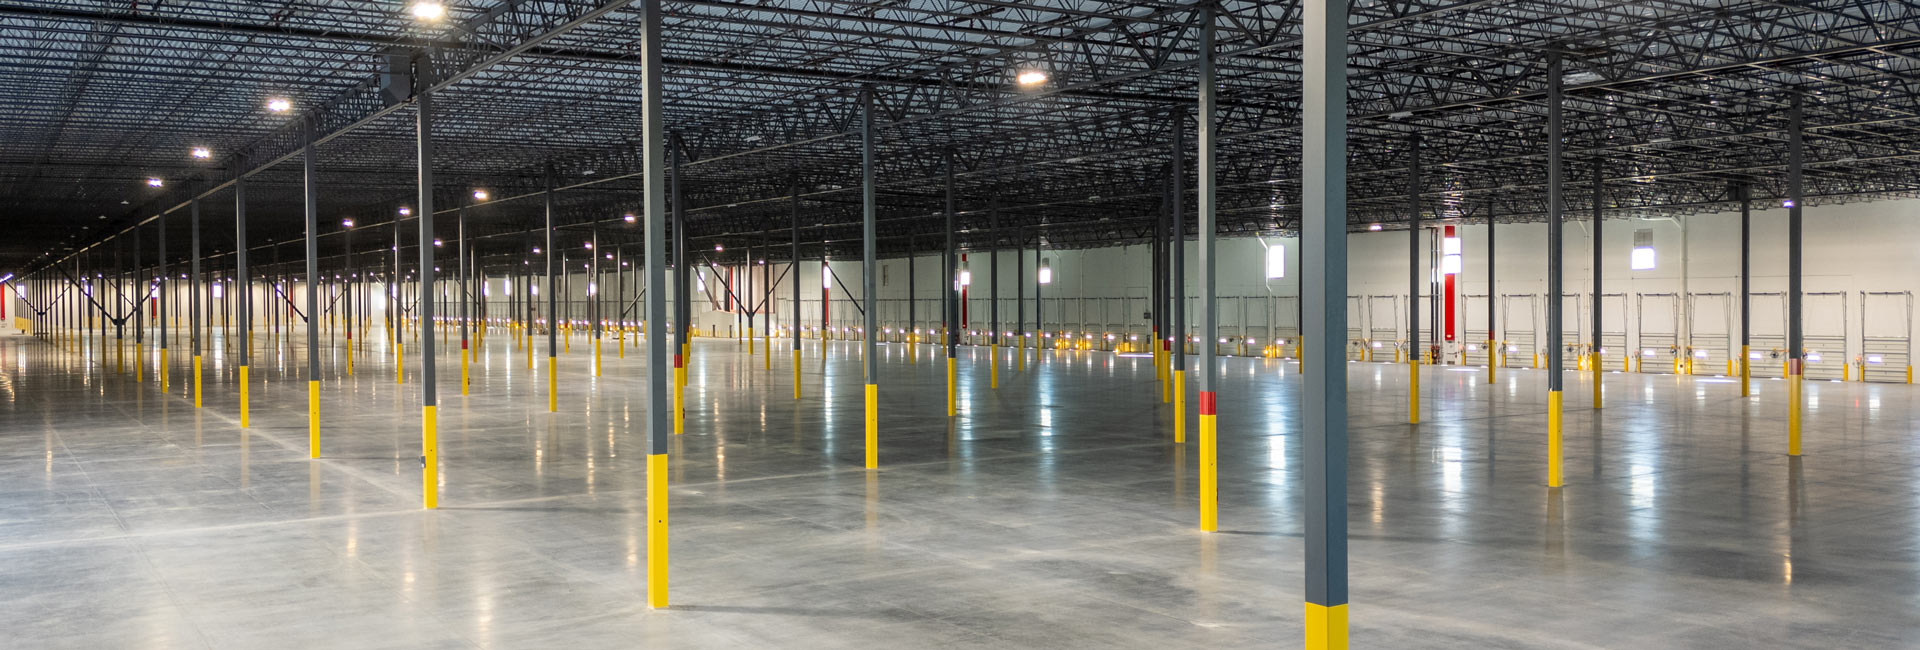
163, 285
1598, 246
553, 297
1020, 292
429, 397
950, 303
682, 267
1179, 255
1796, 343
869, 274
1745, 193
1323, 305
1414, 352
1493, 297
993, 270
659, 415
1555, 283
243, 301
310, 197
793, 212
193, 290
913, 245
460, 251
1209, 311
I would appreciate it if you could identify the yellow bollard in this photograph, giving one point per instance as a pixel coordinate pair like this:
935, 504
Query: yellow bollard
1413, 392
196, 381
139, 362
165, 385
953, 403
1209, 465
749, 340
1553, 439
399, 364
1596, 380
873, 426
1746, 372
766, 343
657, 531
596, 357
1793, 408
349, 356
1493, 359
1179, 406
993, 364
245, 416
553, 384
465, 359
621, 334
796, 373
679, 397
429, 457
313, 418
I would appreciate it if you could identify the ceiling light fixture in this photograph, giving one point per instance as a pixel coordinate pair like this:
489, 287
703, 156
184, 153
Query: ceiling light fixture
429, 10
279, 105
1031, 78
202, 153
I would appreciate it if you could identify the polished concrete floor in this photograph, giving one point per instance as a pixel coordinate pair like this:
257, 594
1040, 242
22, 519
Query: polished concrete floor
1054, 513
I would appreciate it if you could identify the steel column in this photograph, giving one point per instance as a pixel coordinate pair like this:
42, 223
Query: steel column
1796, 353
1209, 312
869, 272
1324, 311
1555, 281
1414, 351
659, 419
429, 397
310, 197
1598, 244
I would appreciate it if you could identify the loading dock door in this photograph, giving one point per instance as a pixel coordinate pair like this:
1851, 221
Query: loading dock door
1886, 336
1769, 338
1824, 316
1658, 320
1520, 328
1613, 332
1710, 333
1383, 328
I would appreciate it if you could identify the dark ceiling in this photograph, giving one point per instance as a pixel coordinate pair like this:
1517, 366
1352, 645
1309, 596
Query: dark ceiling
1672, 102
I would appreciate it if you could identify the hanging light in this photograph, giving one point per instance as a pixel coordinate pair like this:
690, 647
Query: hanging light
406, 211
202, 153
630, 218
1031, 78
429, 10
480, 195
1373, 227
1046, 271
279, 105
346, 223
155, 182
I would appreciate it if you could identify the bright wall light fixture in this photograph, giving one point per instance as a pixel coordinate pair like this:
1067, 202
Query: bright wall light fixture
826, 276
1276, 262
1642, 257
428, 10
279, 105
1031, 77
1374, 228
1046, 271
406, 212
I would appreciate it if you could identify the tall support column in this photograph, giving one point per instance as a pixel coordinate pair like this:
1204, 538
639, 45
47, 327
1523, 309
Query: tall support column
429, 397
682, 292
793, 215
1209, 312
950, 315
193, 291
1414, 352
993, 293
1594, 361
593, 300
1323, 306
659, 420
1019, 299
165, 286
396, 321
1494, 348
1745, 193
460, 249
553, 297
243, 296
310, 198
869, 273
1178, 261
913, 331
1796, 353
1555, 282
1156, 292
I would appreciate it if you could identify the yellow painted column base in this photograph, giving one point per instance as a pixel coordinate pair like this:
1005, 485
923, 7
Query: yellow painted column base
1179, 406
596, 357
1554, 478
953, 403
993, 365
657, 531
399, 364
465, 360
766, 360
196, 381
430, 457
679, 401
313, 418
1794, 390
139, 362
1413, 389
1597, 376
165, 383
1746, 371
873, 426
1326, 627
349, 358
246, 419
1209, 473
553, 385
1493, 360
